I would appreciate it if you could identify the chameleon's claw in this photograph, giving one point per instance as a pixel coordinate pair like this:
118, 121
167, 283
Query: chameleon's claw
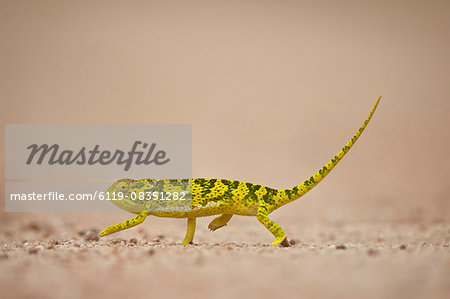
285, 243
282, 243
185, 242
212, 227
107, 231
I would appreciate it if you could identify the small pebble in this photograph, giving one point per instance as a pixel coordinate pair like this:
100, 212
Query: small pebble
91, 232
33, 226
32, 250
91, 236
151, 251
133, 241
293, 241
341, 247
402, 247
372, 252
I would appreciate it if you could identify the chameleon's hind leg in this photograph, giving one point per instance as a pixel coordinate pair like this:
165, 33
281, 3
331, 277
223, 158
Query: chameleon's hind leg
190, 231
220, 221
124, 225
275, 229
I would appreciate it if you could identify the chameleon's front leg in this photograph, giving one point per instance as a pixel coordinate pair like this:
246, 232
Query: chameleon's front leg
124, 225
275, 229
190, 231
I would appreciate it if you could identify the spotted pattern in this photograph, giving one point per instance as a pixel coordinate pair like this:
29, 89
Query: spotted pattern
219, 196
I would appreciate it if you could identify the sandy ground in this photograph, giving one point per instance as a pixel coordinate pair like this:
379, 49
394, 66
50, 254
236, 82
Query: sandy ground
61, 258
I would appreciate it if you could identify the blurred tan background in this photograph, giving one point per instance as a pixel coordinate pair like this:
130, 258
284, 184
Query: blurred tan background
273, 90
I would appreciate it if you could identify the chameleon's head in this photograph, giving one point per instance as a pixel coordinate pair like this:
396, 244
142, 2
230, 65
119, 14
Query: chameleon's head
129, 194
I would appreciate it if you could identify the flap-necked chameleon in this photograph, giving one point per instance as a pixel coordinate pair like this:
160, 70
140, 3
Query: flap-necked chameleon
222, 197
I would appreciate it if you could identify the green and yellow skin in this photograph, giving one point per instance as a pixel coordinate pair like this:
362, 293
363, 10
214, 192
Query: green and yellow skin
222, 197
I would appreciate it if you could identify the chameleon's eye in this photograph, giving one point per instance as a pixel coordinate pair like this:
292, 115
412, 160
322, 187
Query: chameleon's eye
122, 187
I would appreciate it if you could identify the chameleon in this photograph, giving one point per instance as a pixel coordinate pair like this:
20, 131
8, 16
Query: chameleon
212, 197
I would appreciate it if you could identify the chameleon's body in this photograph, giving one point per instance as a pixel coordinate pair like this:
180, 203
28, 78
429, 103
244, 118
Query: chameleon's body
222, 197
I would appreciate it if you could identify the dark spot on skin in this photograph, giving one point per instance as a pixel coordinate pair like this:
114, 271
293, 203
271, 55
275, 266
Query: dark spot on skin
288, 193
138, 185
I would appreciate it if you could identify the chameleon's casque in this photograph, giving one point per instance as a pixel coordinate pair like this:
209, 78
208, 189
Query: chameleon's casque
219, 197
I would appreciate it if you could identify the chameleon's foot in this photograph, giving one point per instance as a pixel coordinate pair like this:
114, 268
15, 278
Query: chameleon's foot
275, 229
124, 225
111, 229
219, 222
185, 242
107, 231
282, 243
285, 243
212, 227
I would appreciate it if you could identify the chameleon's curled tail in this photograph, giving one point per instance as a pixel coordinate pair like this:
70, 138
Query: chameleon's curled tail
297, 191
